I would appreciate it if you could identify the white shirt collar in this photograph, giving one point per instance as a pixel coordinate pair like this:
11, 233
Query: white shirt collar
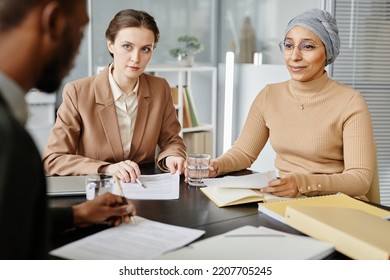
116, 91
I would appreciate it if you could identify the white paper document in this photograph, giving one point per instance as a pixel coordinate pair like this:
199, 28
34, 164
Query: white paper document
143, 240
251, 243
158, 186
251, 181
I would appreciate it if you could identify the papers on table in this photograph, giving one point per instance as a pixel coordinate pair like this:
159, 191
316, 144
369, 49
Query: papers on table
145, 239
251, 243
158, 186
251, 181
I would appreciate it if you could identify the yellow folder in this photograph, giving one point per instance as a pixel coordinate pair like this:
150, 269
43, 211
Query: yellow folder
353, 232
277, 210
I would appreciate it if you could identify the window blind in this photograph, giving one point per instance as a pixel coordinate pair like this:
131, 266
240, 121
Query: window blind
364, 63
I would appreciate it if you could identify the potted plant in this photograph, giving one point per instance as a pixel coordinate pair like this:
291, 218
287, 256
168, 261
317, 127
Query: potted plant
185, 54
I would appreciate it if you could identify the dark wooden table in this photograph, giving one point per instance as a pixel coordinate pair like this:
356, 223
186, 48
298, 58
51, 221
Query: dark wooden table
193, 209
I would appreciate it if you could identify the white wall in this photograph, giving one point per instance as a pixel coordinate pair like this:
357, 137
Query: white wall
249, 79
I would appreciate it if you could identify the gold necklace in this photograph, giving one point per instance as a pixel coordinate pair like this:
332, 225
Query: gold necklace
296, 97
308, 96
302, 106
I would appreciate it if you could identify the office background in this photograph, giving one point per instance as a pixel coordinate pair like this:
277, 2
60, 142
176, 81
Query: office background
364, 61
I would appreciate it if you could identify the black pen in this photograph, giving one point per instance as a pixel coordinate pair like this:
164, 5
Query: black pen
124, 200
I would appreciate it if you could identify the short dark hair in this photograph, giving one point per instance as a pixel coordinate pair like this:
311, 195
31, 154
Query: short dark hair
12, 12
131, 18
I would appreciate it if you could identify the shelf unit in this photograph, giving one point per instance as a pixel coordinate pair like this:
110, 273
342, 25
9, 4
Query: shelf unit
183, 76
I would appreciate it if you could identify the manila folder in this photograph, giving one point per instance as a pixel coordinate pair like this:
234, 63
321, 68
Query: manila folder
353, 232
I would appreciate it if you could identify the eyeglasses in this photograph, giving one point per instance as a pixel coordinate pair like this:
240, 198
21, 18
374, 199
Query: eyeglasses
305, 47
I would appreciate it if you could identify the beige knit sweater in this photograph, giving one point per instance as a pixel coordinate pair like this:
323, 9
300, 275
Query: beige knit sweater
328, 145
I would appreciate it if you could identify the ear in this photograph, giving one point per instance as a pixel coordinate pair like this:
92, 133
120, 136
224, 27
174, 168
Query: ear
110, 46
53, 20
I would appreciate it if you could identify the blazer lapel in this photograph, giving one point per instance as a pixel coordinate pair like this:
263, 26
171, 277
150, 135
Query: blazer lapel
107, 112
142, 115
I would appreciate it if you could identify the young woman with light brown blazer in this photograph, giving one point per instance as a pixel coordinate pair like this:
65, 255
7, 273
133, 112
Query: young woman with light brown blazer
111, 122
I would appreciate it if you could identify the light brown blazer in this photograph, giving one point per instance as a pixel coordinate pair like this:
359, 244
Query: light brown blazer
86, 134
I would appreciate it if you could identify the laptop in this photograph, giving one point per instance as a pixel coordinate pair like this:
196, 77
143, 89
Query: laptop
65, 185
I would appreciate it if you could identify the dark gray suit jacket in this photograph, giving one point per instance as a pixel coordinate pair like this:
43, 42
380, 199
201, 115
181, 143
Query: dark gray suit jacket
24, 215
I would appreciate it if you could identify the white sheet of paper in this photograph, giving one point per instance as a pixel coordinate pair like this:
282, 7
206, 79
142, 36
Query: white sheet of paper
251, 243
162, 186
251, 181
141, 241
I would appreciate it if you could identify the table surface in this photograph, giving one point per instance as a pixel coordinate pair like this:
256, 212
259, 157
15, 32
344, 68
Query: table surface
193, 209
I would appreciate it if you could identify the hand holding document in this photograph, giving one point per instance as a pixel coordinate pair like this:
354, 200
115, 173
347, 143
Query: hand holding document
158, 186
143, 240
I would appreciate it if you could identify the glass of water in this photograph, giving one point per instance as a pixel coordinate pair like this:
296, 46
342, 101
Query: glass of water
197, 168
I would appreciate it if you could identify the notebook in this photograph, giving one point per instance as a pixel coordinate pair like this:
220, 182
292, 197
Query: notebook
252, 243
353, 232
65, 185
277, 210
